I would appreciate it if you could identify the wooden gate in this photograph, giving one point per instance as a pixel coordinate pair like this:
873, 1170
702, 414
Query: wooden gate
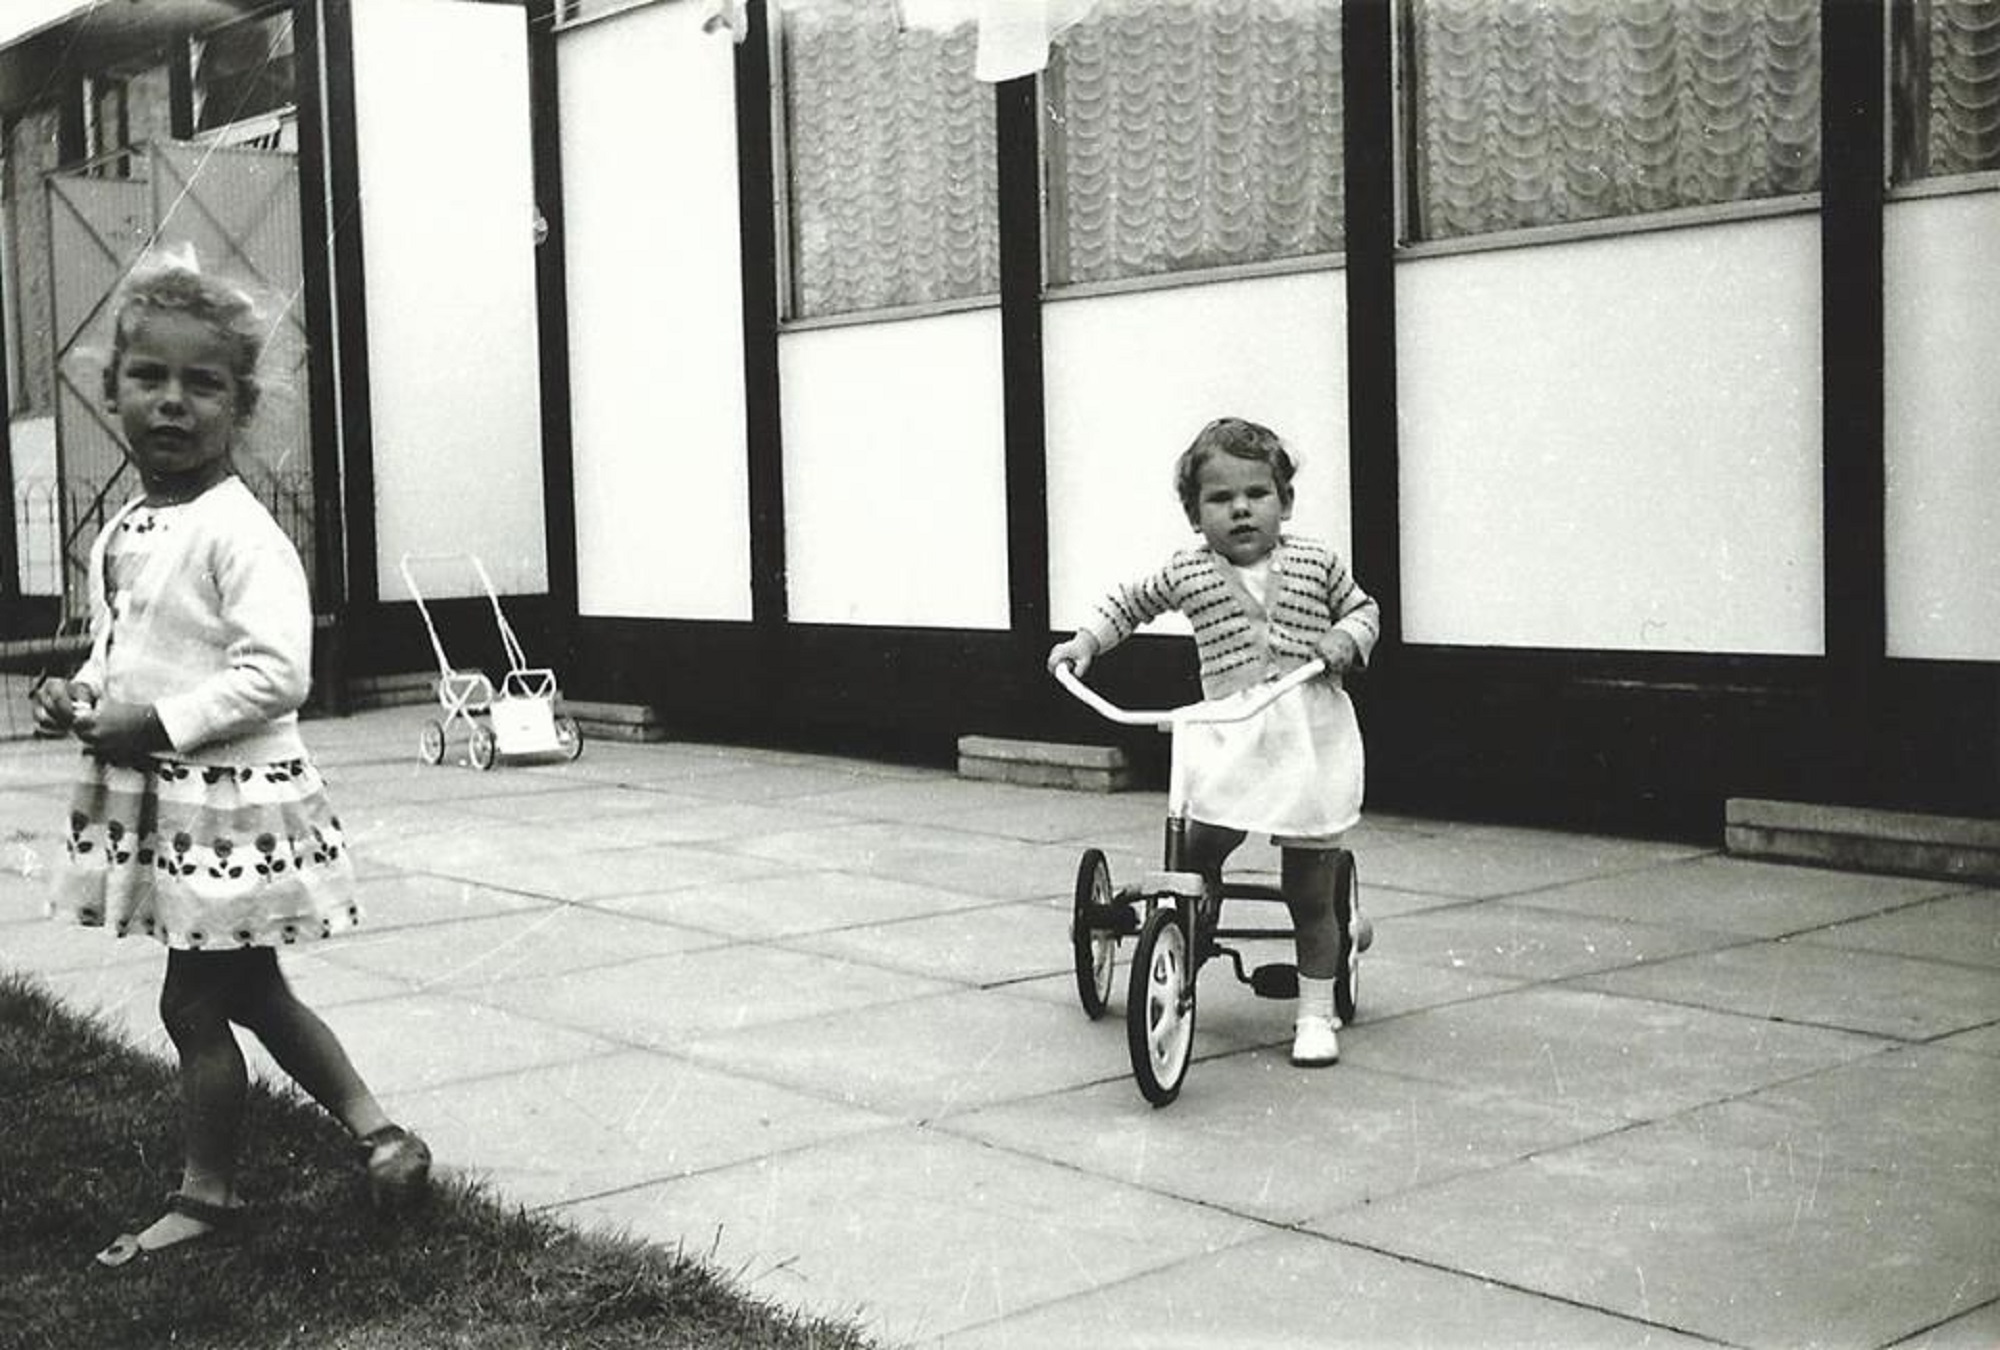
237, 208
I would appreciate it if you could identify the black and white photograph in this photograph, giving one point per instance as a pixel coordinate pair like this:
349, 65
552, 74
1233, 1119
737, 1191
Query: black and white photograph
1000, 674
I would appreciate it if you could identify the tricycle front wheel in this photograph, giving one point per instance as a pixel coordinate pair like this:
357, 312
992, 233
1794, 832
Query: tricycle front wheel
1159, 1007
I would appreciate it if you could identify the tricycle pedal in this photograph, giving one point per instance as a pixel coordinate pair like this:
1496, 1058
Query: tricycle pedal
1276, 980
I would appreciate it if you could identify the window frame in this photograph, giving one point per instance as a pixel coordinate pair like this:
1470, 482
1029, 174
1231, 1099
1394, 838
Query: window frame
1404, 95
783, 261
1403, 73
1898, 18
1333, 260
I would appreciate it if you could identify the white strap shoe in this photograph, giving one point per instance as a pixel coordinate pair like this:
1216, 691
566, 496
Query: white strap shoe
1314, 1044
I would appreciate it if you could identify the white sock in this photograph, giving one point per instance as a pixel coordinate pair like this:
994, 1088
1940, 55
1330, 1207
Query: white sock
1316, 999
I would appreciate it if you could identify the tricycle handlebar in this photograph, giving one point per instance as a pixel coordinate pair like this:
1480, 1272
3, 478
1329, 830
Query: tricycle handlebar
1264, 696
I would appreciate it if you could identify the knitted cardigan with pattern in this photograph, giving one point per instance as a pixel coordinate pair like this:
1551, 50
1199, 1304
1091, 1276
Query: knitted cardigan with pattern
220, 638
1312, 594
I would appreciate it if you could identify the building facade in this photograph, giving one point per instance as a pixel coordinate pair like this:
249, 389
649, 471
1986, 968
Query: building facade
800, 385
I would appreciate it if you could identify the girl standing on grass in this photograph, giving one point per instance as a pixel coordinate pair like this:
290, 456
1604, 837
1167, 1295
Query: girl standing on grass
1262, 602
200, 820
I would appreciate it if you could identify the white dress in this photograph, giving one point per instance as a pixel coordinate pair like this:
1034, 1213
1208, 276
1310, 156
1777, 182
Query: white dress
1294, 771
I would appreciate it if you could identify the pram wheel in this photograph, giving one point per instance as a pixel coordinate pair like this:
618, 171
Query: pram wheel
430, 743
569, 737
1159, 1007
1095, 949
484, 747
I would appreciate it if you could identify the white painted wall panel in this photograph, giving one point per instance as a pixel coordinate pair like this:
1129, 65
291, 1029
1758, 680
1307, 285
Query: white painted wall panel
1132, 378
447, 188
895, 481
655, 317
1615, 443
1941, 263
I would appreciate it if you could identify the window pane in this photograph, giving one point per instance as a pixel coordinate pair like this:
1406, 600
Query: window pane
1185, 134
243, 70
1947, 97
890, 157
1540, 112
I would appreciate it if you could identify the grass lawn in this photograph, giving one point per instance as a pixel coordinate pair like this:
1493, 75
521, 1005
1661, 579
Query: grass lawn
91, 1131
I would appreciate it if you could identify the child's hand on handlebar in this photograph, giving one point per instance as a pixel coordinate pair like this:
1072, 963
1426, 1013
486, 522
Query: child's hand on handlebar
1076, 653
1340, 652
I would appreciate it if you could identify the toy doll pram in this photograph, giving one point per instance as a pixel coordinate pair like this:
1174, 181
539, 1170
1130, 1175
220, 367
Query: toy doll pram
520, 719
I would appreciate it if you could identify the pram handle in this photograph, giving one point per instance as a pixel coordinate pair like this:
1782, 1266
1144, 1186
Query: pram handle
1191, 713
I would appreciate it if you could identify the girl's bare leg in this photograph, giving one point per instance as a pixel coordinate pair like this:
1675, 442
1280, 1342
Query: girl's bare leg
304, 1046
1307, 878
214, 1084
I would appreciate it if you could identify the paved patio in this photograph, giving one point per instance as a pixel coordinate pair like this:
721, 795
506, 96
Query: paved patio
815, 1017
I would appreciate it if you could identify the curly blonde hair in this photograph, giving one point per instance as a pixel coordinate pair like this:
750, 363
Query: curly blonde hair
174, 283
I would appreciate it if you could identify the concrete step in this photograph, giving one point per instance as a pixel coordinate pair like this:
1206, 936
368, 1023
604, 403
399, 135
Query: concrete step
1864, 839
615, 721
1087, 768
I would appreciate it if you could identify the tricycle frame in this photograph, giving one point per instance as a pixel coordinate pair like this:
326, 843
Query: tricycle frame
1175, 915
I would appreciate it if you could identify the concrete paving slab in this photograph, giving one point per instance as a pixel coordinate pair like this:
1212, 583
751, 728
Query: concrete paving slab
1382, 903
536, 863
1596, 1053
1867, 991
924, 1059
45, 946
1920, 1115
965, 1234
790, 903
426, 1040
1524, 943
1963, 927
559, 1133
667, 818
1477, 863
820, 785
1981, 1041
1976, 1330
372, 824
447, 782
124, 996
1005, 810
972, 864
1732, 895
1295, 1289
1253, 1135
318, 978
396, 899
993, 944
585, 801
1751, 1238
665, 1002
549, 941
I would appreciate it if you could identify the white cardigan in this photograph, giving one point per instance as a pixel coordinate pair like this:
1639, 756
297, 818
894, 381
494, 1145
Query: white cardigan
217, 633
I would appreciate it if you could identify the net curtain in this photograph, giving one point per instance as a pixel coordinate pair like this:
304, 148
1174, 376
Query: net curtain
1540, 112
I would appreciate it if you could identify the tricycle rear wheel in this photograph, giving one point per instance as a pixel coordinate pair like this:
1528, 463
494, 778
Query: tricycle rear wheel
1095, 949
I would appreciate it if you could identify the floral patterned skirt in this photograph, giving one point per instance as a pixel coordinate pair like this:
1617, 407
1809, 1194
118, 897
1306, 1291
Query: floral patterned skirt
204, 856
